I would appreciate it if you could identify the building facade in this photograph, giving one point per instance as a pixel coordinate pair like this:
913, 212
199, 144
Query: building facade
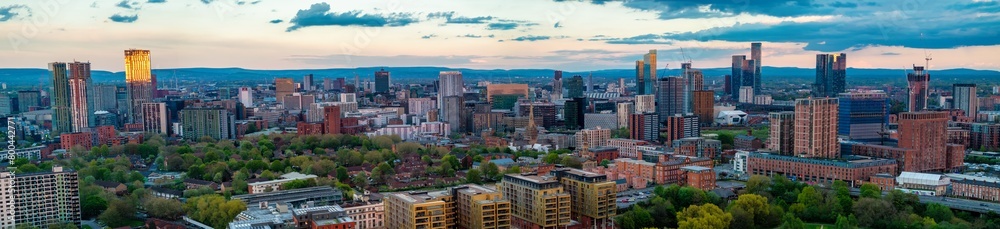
41, 199
138, 82
782, 138
863, 115
61, 114
816, 128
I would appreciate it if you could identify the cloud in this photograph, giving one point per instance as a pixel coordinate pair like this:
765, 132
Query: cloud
276, 21
10, 12
891, 54
531, 38
123, 18
429, 36
128, 5
156, 1
556, 25
318, 15
501, 26
469, 20
401, 60
635, 40
843, 5
471, 36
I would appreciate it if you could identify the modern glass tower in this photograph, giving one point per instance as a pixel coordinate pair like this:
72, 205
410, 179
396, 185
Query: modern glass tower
61, 118
138, 81
863, 115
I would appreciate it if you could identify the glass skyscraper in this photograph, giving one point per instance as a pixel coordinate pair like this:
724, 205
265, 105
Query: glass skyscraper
863, 115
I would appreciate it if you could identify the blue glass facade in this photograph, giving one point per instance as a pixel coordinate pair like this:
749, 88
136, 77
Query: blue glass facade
862, 117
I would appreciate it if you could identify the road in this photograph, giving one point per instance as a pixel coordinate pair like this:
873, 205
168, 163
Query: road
962, 204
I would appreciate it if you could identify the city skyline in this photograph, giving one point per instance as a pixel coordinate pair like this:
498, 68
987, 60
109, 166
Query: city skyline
492, 34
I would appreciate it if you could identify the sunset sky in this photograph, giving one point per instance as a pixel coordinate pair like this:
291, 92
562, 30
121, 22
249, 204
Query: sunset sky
497, 34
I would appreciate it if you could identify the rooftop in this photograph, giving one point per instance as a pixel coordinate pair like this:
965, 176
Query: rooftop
695, 168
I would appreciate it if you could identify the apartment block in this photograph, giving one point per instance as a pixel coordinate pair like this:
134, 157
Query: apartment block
40, 199
592, 196
537, 201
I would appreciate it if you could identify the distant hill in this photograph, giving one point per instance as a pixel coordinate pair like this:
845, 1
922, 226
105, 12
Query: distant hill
29, 76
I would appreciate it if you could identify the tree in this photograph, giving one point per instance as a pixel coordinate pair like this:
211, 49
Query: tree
342, 175
870, 190
513, 170
361, 179
758, 184
754, 205
214, 210
164, 208
119, 213
491, 171
473, 176
571, 162
792, 222
636, 218
551, 158
939, 212
703, 216
741, 219
871, 211
92, 205
845, 222
605, 163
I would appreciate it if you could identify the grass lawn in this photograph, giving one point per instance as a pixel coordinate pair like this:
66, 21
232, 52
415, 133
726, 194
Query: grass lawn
759, 132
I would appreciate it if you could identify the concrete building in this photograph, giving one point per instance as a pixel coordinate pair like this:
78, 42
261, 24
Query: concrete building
282, 216
420, 106
452, 111
677, 127
39, 199
592, 197
451, 84
623, 111
246, 96
816, 128
557, 88
213, 122
965, 98
367, 216
154, 118
537, 201
731, 118
746, 94
645, 103
782, 137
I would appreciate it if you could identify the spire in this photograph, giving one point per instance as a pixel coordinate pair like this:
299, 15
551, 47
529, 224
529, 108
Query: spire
532, 129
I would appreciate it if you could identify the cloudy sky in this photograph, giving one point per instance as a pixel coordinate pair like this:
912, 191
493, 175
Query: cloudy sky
560, 34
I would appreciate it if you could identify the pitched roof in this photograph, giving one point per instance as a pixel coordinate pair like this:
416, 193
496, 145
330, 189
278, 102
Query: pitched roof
107, 184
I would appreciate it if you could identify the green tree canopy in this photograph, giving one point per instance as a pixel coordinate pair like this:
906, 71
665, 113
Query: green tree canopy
704, 216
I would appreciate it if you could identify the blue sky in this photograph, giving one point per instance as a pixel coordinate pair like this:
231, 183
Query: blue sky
498, 34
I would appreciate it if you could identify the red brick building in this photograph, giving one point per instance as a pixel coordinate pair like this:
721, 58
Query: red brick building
976, 188
305, 128
699, 177
927, 133
105, 134
854, 172
82, 139
885, 181
599, 154
332, 120
669, 172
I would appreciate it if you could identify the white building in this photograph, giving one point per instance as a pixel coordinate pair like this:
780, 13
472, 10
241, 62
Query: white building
762, 99
740, 162
275, 185
627, 148
405, 132
730, 118
348, 98
645, 103
32, 153
420, 106
623, 111
435, 128
367, 216
246, 96
746, 94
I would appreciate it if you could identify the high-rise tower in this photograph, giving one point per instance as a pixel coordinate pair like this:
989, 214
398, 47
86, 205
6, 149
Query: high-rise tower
645, 73
918, 82
61, 118
831, 73
670, 97
138, 81
382, 81
965, 98
79, 85
557, 86
816, 128
736, 79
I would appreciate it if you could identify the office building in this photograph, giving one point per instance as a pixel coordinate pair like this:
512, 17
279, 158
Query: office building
79, 89
645, 74
506, 89
283, 87
831, 71
28, 100
61, 114
863, 115
592, 197
670, 99
965, 98
596, 120
307, 82
918, 84
297, 101
537, 201
573, 113
623, 110
154, 118
332, 120
246, 96
574, 87
382, 81
644, 126
214, 122
557, 88
782, 137
704, 106
40, 199
451, 84
738, 64
645, 103
138, 82
816, 128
